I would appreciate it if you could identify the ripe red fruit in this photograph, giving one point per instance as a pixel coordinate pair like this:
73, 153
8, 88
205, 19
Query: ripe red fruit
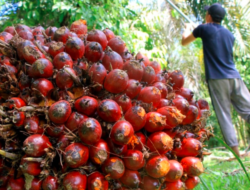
163, 103
18, 118
114, 167
156, 66
79, 27
26, 35
108, 33
5, 36
64, 78
131, 179
17, 184
10, 29
61, 60
86, 105
30, 53
157, 166
50, 31
117, 45
139, 142
133, 89
98, 36
59, 112
117, 149
44, 86
112, 60
36, 184
50, 183
192, 182
150, 95
21, 46
189, 147
74, 120
75, 48
15, 102
30, 167
63, 142
20, 27
55, 48
97, 73
185, 93
124, 102
176, 171
35, 145
148, 75
155, 122
74, 180
109, 110
177, 185
61, 34
149, 183
136, 115
133, 160
134, 70
31, 125
203, 104
122, 132
177, 79
76, 155
191, 115
55, 131
163, 89
93, 52
160, 77
38, 30
116, 81
96, 181
144, 58
41, 68
192, 166
99, 153
181, 104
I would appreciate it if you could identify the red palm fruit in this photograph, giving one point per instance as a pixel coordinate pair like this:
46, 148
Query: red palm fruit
11, 30
62, 142
86, 105
148, 75
157, 166
145, 60
185, 93
127, 56
89, 131
18, 118
38, 30
80, 67
114, 167
112, 60
55, 131
62, 59
79, 27
75, 48
171, 132
131, 179
163, 89
74, 120
117, 45
192, 182
30, 167
36, 184
99, 153
133, 89
16, 184
117, 149
160, 142
5, 36
173, 116
4, 60
122, 132
76, 155
176, 171
74, 180
109, 110
150, 95
156, 66
134, 70
98, 36
192, 166
139, 143
149, 183
136, 115
15, 102
21, 46
59, 112
55, 48
41, 68
191, 115
189, 147
124, 102
133, 160
26, 35
50, 31
116, 81
61, 34
203, 104
155, 122
163, 103
177, 185
31, 53
31, 125
20, 27
96, 181
44, 86
160, 77
181, 104
93, 52
65, 78
40, 39
108, 33
50, 183
177, 79
97, 73
35, 145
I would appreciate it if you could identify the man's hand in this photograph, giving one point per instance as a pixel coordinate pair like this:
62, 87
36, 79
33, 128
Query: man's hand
189, 26
187, 36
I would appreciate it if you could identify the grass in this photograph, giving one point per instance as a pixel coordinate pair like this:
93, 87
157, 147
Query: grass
220, 175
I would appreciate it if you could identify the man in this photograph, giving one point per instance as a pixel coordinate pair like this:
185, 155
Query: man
224, 82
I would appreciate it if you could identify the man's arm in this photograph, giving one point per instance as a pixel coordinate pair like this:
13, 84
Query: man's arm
187, 36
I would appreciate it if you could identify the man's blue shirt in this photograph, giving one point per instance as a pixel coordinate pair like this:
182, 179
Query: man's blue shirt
218, 51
